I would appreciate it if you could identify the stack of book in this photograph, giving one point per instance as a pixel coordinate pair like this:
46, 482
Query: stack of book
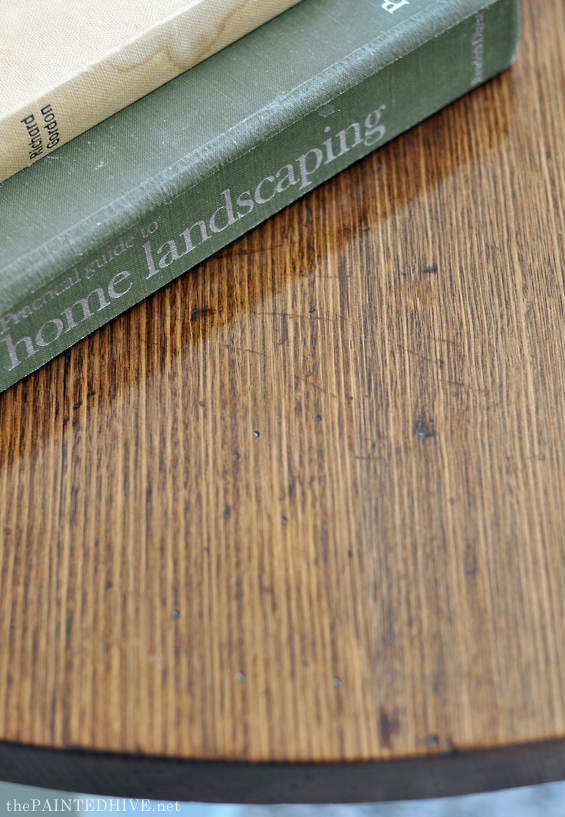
89, 228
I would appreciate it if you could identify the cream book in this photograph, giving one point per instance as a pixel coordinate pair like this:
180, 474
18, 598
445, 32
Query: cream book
66, 65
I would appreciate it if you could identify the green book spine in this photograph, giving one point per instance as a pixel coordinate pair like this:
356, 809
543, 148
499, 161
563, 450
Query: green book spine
270, 161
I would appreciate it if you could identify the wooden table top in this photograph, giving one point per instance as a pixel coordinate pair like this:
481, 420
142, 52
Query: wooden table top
294, 527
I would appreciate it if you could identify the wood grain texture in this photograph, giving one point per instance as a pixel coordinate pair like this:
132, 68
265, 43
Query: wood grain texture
306, 503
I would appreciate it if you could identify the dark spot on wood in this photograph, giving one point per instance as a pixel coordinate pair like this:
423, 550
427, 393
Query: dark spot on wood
91, 393
418, 268
202, 403
365, 228
200, 313
350, 554
431, 741
424, 427
318, 418
108, 586
236, 456
284, 520
470, 560
227, 512
77, 405
175, 614
388, 726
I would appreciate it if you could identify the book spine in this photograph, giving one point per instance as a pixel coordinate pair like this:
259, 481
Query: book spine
175, 237
41, 125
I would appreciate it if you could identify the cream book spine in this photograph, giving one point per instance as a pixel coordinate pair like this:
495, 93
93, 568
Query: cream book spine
66, 65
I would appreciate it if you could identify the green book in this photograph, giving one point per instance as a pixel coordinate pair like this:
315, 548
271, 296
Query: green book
149, 193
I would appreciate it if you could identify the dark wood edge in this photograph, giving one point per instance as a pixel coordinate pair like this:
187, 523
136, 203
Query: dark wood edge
158, 778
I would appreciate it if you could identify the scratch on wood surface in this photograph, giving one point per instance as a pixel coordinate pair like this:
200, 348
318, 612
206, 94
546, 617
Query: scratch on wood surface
237, 349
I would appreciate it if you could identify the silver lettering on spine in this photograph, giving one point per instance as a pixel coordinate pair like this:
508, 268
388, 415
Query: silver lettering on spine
392, 5
303, 172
